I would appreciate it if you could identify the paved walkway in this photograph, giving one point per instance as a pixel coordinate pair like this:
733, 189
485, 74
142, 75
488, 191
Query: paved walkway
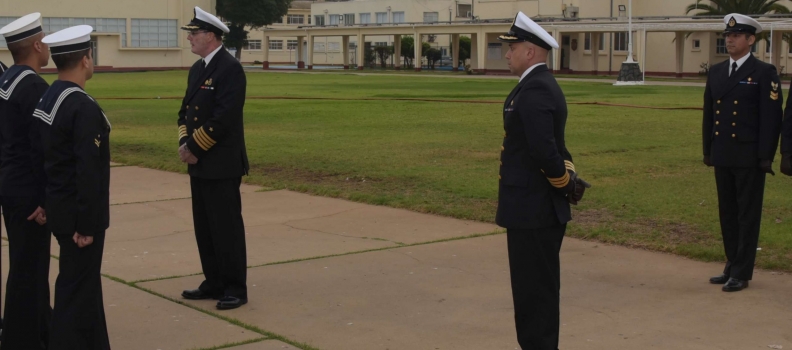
331, 274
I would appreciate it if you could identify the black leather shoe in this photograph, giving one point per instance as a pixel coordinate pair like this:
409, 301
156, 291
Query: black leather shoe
228, 303
722, 279
197, 294
734, 285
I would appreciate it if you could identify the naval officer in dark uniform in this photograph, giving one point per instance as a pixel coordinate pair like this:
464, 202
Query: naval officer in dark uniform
22, 182
212, 142
75, 139
741, 127
537, 184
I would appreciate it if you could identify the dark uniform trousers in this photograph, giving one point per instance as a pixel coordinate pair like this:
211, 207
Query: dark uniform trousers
535, 170
220, 233
741, 127
740, 195
28, 312
79, 310
536, 276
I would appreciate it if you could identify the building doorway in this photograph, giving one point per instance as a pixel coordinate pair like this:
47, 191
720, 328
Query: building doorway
565, 51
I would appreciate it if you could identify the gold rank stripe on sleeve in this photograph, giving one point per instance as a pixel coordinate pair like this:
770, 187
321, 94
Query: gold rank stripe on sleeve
569, 165
559, 182
182, 132
203, 140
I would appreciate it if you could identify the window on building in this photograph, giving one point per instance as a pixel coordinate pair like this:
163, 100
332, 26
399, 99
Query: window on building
494, 51
319, 20
154, 33
767, 47
620, 41
365, 18
696, 44
309, 19
587, 42
382, 17
464, 10
319, 47
334, 46
54, 24
276, 45
398, 17
295, 19
254, 45
720, 46
353, 45
431, 17
291, 44
335, 19
349, 19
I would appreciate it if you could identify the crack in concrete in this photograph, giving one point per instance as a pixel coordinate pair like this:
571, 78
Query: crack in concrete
398, 244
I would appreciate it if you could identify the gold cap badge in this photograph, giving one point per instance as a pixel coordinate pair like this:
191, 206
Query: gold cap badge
732, 22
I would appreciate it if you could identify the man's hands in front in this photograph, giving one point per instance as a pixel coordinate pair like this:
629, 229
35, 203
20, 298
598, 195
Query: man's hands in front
82, 241
39, 215
186, 156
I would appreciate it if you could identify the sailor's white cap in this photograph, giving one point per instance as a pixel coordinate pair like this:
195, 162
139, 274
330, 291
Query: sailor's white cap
69, 40
22, 28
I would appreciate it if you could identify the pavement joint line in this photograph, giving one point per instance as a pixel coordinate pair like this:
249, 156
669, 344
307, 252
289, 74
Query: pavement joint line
451, 239
231, 320
269, 335
174, 233
153, 201
345, 236
235, 344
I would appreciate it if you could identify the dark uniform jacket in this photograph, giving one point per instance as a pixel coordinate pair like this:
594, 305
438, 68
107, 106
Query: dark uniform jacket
534, 159
3, 67
22, 169
75, 135
742, 114
210, 118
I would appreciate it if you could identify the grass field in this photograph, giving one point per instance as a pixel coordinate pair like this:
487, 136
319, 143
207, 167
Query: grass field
650, 188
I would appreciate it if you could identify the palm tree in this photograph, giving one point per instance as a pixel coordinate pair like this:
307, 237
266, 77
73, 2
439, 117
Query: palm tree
746, 7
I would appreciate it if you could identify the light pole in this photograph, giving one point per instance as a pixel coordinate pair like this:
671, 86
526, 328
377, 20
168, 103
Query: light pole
630, 72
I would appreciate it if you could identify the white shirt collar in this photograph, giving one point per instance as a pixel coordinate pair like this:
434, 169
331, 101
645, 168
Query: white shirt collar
739, 62
525, 74
208, 57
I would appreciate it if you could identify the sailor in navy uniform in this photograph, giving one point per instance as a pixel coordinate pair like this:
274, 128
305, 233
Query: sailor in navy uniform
22, 182
75, 139
741, 127
537, 184
212, 142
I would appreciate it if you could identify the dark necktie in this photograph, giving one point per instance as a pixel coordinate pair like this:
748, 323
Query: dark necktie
203, 66
734, 68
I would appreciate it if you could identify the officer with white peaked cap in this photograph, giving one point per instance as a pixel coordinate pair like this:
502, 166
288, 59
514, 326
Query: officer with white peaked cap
537, 183
22, 182
212, 143
76, 144
740, 131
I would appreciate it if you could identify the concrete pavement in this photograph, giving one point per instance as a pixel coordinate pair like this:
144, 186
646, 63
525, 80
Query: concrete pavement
332, 274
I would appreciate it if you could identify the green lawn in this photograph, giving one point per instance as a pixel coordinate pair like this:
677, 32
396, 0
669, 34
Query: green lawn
650, 188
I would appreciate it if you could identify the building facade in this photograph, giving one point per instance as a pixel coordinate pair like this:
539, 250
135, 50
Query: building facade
140, 34
144, 34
